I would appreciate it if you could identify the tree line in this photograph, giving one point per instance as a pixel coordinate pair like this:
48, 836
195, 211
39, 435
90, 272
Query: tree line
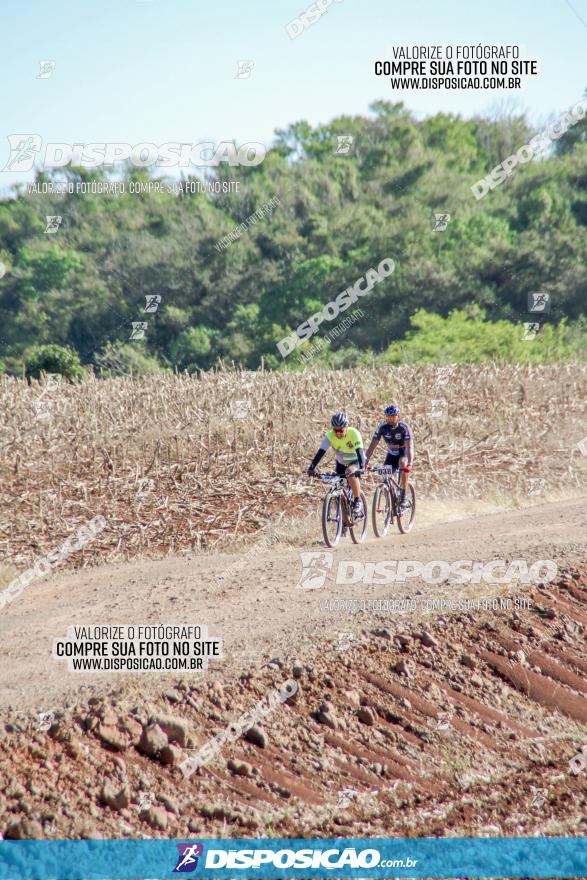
161, 280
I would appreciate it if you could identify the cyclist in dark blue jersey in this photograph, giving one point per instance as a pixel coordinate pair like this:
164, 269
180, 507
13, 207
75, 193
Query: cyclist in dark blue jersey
400, 445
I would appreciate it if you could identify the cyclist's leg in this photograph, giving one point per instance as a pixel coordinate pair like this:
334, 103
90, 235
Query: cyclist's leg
403, 460
354, 482
340, 469
392, 461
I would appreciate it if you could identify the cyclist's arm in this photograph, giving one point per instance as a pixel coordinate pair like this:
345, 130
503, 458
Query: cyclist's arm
410, 450
373, 445
320, 454
361, 456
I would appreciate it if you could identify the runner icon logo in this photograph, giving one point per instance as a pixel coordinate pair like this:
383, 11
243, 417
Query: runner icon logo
315, 567
187, 860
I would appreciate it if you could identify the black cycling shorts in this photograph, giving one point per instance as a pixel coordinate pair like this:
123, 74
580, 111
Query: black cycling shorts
342, 468
392, 458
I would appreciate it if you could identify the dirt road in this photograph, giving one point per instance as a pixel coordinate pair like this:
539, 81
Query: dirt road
258, 606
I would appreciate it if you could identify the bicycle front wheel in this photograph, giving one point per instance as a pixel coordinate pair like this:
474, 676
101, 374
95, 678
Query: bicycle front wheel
359, 528
407, 512
381, 510
331, 519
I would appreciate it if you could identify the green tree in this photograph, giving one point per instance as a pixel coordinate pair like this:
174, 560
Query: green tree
466, 337
194, 349
53, 359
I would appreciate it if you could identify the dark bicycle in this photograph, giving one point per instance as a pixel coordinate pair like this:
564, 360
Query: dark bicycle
386, 506
337, 510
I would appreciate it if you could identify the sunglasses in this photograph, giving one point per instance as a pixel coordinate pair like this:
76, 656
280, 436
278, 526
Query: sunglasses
339, 430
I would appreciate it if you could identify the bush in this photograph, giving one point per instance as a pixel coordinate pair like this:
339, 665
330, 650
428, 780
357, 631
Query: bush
193, 349
130, 359
466, 337
53, 359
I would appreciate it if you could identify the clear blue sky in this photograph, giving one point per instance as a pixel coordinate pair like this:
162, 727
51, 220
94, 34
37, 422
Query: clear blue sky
164, 70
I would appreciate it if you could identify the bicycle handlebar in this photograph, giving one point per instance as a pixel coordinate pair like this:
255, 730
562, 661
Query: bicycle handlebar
326, 478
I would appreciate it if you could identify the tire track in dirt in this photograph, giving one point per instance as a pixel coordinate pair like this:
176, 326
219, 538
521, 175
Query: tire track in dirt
364, 751
260, 607
424, 726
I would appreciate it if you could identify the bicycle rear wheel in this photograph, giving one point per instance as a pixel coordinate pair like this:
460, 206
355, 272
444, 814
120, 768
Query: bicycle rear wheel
359, 527
405, 515
381, 510
331, 519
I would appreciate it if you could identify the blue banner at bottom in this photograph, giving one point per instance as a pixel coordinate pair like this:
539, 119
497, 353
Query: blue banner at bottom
274, 858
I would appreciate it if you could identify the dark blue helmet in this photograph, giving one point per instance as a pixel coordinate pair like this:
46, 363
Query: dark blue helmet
392, 410
339, 420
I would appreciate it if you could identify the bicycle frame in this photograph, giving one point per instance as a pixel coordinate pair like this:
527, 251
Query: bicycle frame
400, 510
387, 474
341, 494
339, 486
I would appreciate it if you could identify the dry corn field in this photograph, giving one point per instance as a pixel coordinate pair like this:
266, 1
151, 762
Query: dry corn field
177, 463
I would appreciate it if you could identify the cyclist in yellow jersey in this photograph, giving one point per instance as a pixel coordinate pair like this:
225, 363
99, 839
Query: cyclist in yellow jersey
350, 455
